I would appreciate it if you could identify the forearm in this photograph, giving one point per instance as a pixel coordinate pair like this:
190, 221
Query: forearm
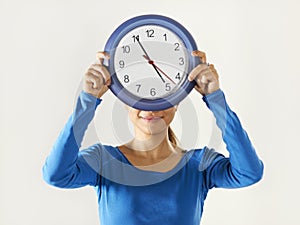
244, 162
61, 164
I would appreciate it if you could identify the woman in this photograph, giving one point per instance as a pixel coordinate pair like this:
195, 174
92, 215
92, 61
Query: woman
150, 180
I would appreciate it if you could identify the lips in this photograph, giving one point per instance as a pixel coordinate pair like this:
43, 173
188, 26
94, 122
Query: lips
151, 118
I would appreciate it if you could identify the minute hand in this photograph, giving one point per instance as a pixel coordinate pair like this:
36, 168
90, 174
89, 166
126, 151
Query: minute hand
157, 68
149, 60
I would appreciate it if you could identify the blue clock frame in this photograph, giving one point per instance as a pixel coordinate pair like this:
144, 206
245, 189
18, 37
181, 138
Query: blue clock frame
160, 103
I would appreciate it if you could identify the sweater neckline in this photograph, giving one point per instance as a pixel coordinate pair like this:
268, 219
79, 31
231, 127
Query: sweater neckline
181, 163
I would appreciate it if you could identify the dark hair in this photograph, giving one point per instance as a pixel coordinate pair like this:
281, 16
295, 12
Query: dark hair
172, 137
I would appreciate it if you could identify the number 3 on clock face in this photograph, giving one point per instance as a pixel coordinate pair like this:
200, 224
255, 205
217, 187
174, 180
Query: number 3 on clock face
150, 61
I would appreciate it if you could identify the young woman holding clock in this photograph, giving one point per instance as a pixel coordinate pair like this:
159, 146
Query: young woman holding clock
151, 180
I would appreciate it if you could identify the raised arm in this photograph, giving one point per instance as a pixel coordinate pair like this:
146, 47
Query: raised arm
66, 166
243, 167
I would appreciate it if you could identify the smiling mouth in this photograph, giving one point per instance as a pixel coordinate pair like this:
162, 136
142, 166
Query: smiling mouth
151, 118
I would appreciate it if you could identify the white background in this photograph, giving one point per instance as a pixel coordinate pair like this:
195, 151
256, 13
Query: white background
47, 45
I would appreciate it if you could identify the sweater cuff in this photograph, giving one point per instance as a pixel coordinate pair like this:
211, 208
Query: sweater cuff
90, 99
215, 97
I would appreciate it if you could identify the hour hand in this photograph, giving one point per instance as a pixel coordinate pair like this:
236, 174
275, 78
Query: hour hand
146, 56
154, 66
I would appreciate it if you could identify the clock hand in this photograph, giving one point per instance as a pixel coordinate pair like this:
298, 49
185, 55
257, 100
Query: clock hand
158, 73
159, 69
142, 47
149, 60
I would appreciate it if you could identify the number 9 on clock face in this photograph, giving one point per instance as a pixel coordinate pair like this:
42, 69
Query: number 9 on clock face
150, 61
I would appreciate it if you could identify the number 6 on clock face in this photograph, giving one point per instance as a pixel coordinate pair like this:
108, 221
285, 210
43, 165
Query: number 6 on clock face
150, 61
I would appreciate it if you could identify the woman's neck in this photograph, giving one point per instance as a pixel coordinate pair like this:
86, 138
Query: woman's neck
154, 148
155, 152
162, 158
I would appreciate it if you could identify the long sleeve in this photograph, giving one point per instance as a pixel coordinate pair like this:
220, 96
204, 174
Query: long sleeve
66, 166
243, 167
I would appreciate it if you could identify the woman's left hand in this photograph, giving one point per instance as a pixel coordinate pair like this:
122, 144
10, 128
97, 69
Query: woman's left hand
205, 76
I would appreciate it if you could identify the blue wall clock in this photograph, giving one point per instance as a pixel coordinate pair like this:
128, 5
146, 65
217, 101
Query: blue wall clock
150, 61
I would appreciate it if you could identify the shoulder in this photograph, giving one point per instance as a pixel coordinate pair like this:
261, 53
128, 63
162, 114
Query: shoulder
99, 154
203, 158
98, 150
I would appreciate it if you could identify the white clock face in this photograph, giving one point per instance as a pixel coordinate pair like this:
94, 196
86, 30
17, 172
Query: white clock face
151, 62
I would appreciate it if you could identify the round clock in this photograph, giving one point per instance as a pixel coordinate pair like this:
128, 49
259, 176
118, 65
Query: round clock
150, 59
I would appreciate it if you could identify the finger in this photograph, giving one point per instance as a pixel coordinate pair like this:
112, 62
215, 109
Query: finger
95, 80
196, 71
96, 72
209, 71
96, 67
106, 75
206, 78
212, 68
101, 56
200, 54
101, 71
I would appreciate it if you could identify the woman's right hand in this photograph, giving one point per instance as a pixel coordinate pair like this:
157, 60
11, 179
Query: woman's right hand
97, 78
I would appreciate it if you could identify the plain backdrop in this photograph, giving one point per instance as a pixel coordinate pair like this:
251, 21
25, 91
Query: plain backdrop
45, 48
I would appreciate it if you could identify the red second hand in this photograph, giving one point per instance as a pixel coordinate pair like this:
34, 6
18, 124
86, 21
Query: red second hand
152, 63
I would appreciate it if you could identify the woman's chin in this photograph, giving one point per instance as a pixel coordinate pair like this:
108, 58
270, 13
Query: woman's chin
156, 127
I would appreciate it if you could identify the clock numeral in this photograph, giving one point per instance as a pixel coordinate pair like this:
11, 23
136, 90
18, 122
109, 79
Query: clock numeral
181, 61
178, 76
121, 63
126, 48
136, 38
165, 36
138, 87
168, 87
176, 47
152, 92
150, 33
126, 78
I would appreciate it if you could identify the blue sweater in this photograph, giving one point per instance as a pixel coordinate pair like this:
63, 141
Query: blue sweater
131, 196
